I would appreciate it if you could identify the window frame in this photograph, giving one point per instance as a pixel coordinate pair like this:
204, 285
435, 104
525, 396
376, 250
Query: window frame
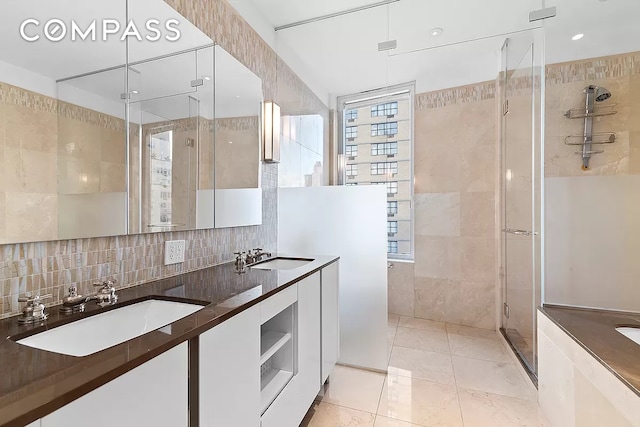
404, 94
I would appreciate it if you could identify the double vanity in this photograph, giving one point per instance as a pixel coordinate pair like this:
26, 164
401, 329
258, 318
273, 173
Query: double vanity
214, 347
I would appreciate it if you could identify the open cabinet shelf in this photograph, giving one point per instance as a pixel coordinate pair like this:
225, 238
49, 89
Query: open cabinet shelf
272, 342
272, 384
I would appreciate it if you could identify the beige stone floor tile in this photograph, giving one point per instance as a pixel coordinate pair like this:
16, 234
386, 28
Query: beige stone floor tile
472, 332
423, 365
481, 409
354, 388
412, 322
478, 348
328, 415
420, 339
393, 319
500, 378
420, 402
389, 422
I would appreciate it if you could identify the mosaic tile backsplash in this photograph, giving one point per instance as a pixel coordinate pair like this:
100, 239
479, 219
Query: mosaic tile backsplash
51, 267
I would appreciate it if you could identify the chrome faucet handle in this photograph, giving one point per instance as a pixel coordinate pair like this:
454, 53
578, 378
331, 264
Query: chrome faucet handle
34, 299
106, 285
34, 310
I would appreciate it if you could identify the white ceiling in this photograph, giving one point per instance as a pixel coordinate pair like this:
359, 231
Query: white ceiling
340, 54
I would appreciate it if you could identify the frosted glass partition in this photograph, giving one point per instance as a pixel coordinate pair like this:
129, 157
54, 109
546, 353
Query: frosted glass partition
84, 215
593, 241
350, 222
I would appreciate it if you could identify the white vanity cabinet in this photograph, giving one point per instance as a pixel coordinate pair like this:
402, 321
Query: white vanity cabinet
154, 393
330, 276
291, 405
229, 379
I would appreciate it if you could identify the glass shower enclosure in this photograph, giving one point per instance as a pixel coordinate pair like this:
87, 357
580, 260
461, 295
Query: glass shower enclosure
521, 85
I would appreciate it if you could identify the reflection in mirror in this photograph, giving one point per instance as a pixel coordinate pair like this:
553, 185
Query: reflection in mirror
62, 160
171, 111
237, 144
92, 180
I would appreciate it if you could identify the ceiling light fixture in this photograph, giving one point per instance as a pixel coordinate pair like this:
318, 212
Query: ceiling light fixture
577, 37
207, 78
436, 31
135, 92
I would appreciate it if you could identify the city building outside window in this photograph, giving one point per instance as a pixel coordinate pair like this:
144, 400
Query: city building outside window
392, 208
367, 159
382, 129
351, 132
384, 168
392, 227
386, 109
384, 149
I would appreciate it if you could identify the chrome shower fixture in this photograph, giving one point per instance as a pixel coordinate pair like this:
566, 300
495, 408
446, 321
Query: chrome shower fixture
601, 94
594, 94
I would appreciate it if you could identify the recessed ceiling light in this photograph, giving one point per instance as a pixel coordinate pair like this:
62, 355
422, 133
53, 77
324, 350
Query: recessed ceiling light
237, 96
577, 37
207, 78
230, 142
436, 31
135, 92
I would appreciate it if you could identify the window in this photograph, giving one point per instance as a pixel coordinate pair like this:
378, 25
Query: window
387, 109
392, 227
382, 158
351, 151
381, 129
384, 168
392, 187
351, 132
349, 184
392, 208
384, 148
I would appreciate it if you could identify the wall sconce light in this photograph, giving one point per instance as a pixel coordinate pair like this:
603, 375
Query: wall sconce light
271, 131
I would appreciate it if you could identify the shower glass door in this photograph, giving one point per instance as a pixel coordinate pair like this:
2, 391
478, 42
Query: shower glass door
520, 181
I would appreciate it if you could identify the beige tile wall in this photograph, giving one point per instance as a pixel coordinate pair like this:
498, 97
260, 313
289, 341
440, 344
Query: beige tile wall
453, 278
50, 267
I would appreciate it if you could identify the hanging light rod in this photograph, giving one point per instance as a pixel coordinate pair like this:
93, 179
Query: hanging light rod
336, 14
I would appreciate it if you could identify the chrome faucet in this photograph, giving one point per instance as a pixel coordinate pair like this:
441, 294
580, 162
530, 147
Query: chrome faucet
34, 310
107, 293
257, 255
74, 303
241, 261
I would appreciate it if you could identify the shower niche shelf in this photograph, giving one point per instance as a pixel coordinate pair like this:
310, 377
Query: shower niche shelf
581, 113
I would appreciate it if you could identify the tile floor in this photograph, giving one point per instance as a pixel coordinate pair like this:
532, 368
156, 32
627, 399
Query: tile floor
439, 375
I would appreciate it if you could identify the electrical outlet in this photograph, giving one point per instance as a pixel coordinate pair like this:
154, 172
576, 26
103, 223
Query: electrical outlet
174, 252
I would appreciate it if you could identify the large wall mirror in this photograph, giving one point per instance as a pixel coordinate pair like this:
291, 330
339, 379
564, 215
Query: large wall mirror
105, 135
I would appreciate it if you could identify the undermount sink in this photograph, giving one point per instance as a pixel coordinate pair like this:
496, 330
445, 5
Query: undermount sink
92, 334
630, 332
281, 263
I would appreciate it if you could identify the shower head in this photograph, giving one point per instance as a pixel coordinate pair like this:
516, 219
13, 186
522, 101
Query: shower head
600, 93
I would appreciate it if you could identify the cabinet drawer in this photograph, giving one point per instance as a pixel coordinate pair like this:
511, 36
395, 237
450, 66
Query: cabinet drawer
275, 304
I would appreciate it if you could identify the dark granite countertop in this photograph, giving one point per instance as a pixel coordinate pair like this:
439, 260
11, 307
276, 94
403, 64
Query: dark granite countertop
34, 383
594, 330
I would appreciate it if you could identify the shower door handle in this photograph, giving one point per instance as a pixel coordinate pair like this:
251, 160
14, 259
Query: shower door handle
520, 232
